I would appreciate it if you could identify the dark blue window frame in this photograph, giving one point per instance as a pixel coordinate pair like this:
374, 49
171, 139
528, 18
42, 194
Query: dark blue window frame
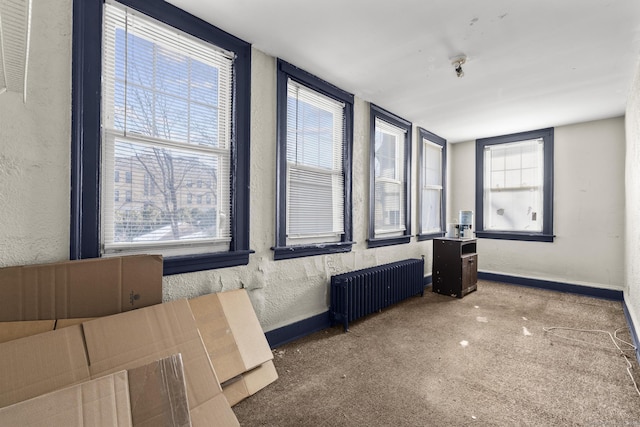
85, 133
281, 250
373, 241
432, 137
547, 227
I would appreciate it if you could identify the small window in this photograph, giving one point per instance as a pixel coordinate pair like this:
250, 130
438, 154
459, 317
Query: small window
116, 176
431, 195
514, 194
390, 207
314, 166
116, 195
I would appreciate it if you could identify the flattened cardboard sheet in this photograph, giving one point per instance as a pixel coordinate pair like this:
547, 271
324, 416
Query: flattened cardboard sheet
231, 332
100, 402
65, 323
41, 363
239, 388
135, 338
84, 288
10, 331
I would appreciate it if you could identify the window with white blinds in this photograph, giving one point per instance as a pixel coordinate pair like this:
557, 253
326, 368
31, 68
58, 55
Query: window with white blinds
513, 186
389, 179
166, 126
432, 187
315, 176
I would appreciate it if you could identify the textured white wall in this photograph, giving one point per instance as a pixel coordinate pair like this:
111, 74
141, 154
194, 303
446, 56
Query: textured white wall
34, 146
588, 210
632, 188
286, 291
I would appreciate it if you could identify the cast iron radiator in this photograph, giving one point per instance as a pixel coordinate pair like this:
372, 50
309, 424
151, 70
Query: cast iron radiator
358, 293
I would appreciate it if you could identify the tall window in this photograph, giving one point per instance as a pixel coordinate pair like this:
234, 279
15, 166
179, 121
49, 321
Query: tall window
431, 196
314, 167
390, 208
514, 197
174, 110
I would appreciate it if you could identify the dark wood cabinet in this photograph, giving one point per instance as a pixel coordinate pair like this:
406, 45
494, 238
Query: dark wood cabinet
455, 266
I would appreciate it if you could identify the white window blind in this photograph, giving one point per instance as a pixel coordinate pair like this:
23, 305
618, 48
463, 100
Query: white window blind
315, 178
166, 123
390, 193
513, 189
432, 187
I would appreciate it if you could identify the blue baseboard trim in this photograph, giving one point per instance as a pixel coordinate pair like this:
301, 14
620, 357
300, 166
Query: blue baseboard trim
427, 281
554, 286
297, 330
632, 330
294, 331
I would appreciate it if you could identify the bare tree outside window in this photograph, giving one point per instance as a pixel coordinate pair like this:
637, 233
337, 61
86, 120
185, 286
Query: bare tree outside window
166, 121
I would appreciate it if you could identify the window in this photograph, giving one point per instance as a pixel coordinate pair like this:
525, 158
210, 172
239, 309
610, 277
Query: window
431, 195
116, 177
168, 82
514, 186
116, 195
390, 206
313, 166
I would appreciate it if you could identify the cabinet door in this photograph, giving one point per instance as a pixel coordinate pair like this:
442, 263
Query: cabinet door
469, 270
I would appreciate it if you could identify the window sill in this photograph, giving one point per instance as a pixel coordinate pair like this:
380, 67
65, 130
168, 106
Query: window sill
526, 237
379, 242
191, 263
299, 251
430, 236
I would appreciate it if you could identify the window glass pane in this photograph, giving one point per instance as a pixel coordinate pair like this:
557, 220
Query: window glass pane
433, 164
390, 197
512, 178
519, 210
156, 197
431, 208
311, 199
315, 182
386, 155
513, 197
166, 120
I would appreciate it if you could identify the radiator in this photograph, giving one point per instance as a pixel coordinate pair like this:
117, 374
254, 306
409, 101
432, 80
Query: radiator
358, 293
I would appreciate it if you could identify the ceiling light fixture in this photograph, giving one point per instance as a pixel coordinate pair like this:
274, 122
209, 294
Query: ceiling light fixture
457, 63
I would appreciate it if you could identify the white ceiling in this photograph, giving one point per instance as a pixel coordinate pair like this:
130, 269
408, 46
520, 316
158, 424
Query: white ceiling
531, 63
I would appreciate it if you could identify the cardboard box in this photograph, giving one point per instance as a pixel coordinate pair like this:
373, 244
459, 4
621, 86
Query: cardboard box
231, 332
135, 338
239, 388
13, 330
85, 288
151, 395
46, 362
42, 363
100, 402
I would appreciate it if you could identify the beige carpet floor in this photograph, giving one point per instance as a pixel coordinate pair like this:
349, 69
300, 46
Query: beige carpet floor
484, 360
